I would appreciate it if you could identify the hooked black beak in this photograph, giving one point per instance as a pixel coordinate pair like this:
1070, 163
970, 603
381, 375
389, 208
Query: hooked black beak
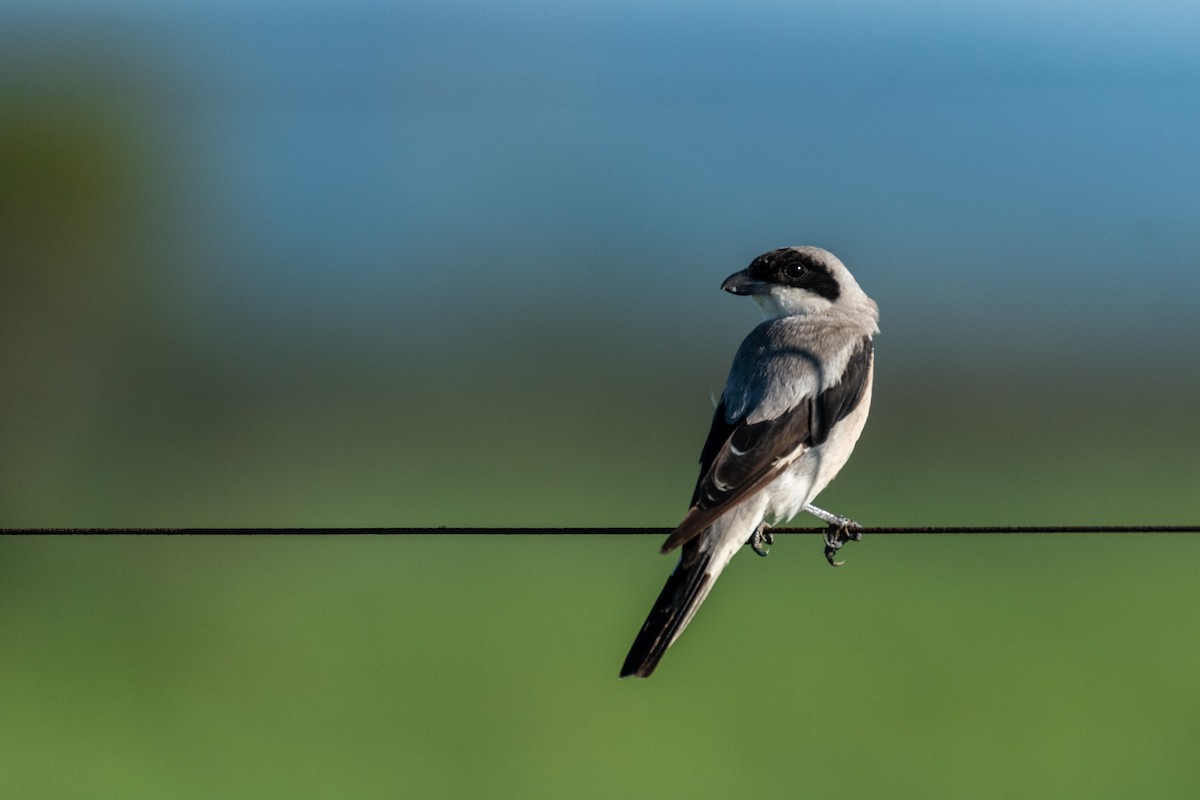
739, 283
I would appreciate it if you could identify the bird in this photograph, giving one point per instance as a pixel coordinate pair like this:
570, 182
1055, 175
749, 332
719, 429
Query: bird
794, 406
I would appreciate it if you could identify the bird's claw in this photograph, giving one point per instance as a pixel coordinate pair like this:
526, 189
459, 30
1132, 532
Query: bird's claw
760, 537
837, 534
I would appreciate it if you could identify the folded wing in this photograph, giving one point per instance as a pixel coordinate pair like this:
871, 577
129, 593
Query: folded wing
740, 458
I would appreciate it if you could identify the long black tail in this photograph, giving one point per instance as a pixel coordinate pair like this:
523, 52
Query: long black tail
685, 589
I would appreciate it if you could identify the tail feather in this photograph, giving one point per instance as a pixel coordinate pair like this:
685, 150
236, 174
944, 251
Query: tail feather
702, 559
683, 593
701, 562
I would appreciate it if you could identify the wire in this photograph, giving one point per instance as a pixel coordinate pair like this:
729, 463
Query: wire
446, 531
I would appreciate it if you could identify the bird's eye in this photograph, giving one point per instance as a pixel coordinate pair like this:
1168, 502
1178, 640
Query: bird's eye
795, 270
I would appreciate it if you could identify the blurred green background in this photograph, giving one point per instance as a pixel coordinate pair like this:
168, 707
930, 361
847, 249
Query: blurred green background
457, 263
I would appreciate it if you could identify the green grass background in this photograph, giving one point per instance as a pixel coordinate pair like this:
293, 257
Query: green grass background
441, 667
375, 666
359, 666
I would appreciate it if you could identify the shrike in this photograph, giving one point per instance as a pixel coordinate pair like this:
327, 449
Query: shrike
793, 407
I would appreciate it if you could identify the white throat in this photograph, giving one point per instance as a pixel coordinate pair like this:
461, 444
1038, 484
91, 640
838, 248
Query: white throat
789, 301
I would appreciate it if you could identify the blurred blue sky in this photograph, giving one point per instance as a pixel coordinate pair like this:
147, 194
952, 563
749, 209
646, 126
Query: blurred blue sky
240, 235
362, 164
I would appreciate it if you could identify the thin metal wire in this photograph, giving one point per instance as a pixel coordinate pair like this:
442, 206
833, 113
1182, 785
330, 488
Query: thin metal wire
446, 531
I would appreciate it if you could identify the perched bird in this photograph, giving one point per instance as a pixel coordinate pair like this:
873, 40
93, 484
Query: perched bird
794, 405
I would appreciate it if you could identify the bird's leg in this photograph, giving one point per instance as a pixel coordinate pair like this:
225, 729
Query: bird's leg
760, 537
840, 530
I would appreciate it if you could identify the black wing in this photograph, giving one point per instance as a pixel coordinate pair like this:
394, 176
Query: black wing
738, 458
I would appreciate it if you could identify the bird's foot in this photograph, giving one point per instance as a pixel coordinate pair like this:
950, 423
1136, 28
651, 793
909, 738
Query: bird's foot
837, 534
760, 537
841, 530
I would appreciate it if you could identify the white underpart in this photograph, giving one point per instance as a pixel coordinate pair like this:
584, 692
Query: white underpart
815, 467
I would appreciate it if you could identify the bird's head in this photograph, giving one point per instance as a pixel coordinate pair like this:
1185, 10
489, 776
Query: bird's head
794, 281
